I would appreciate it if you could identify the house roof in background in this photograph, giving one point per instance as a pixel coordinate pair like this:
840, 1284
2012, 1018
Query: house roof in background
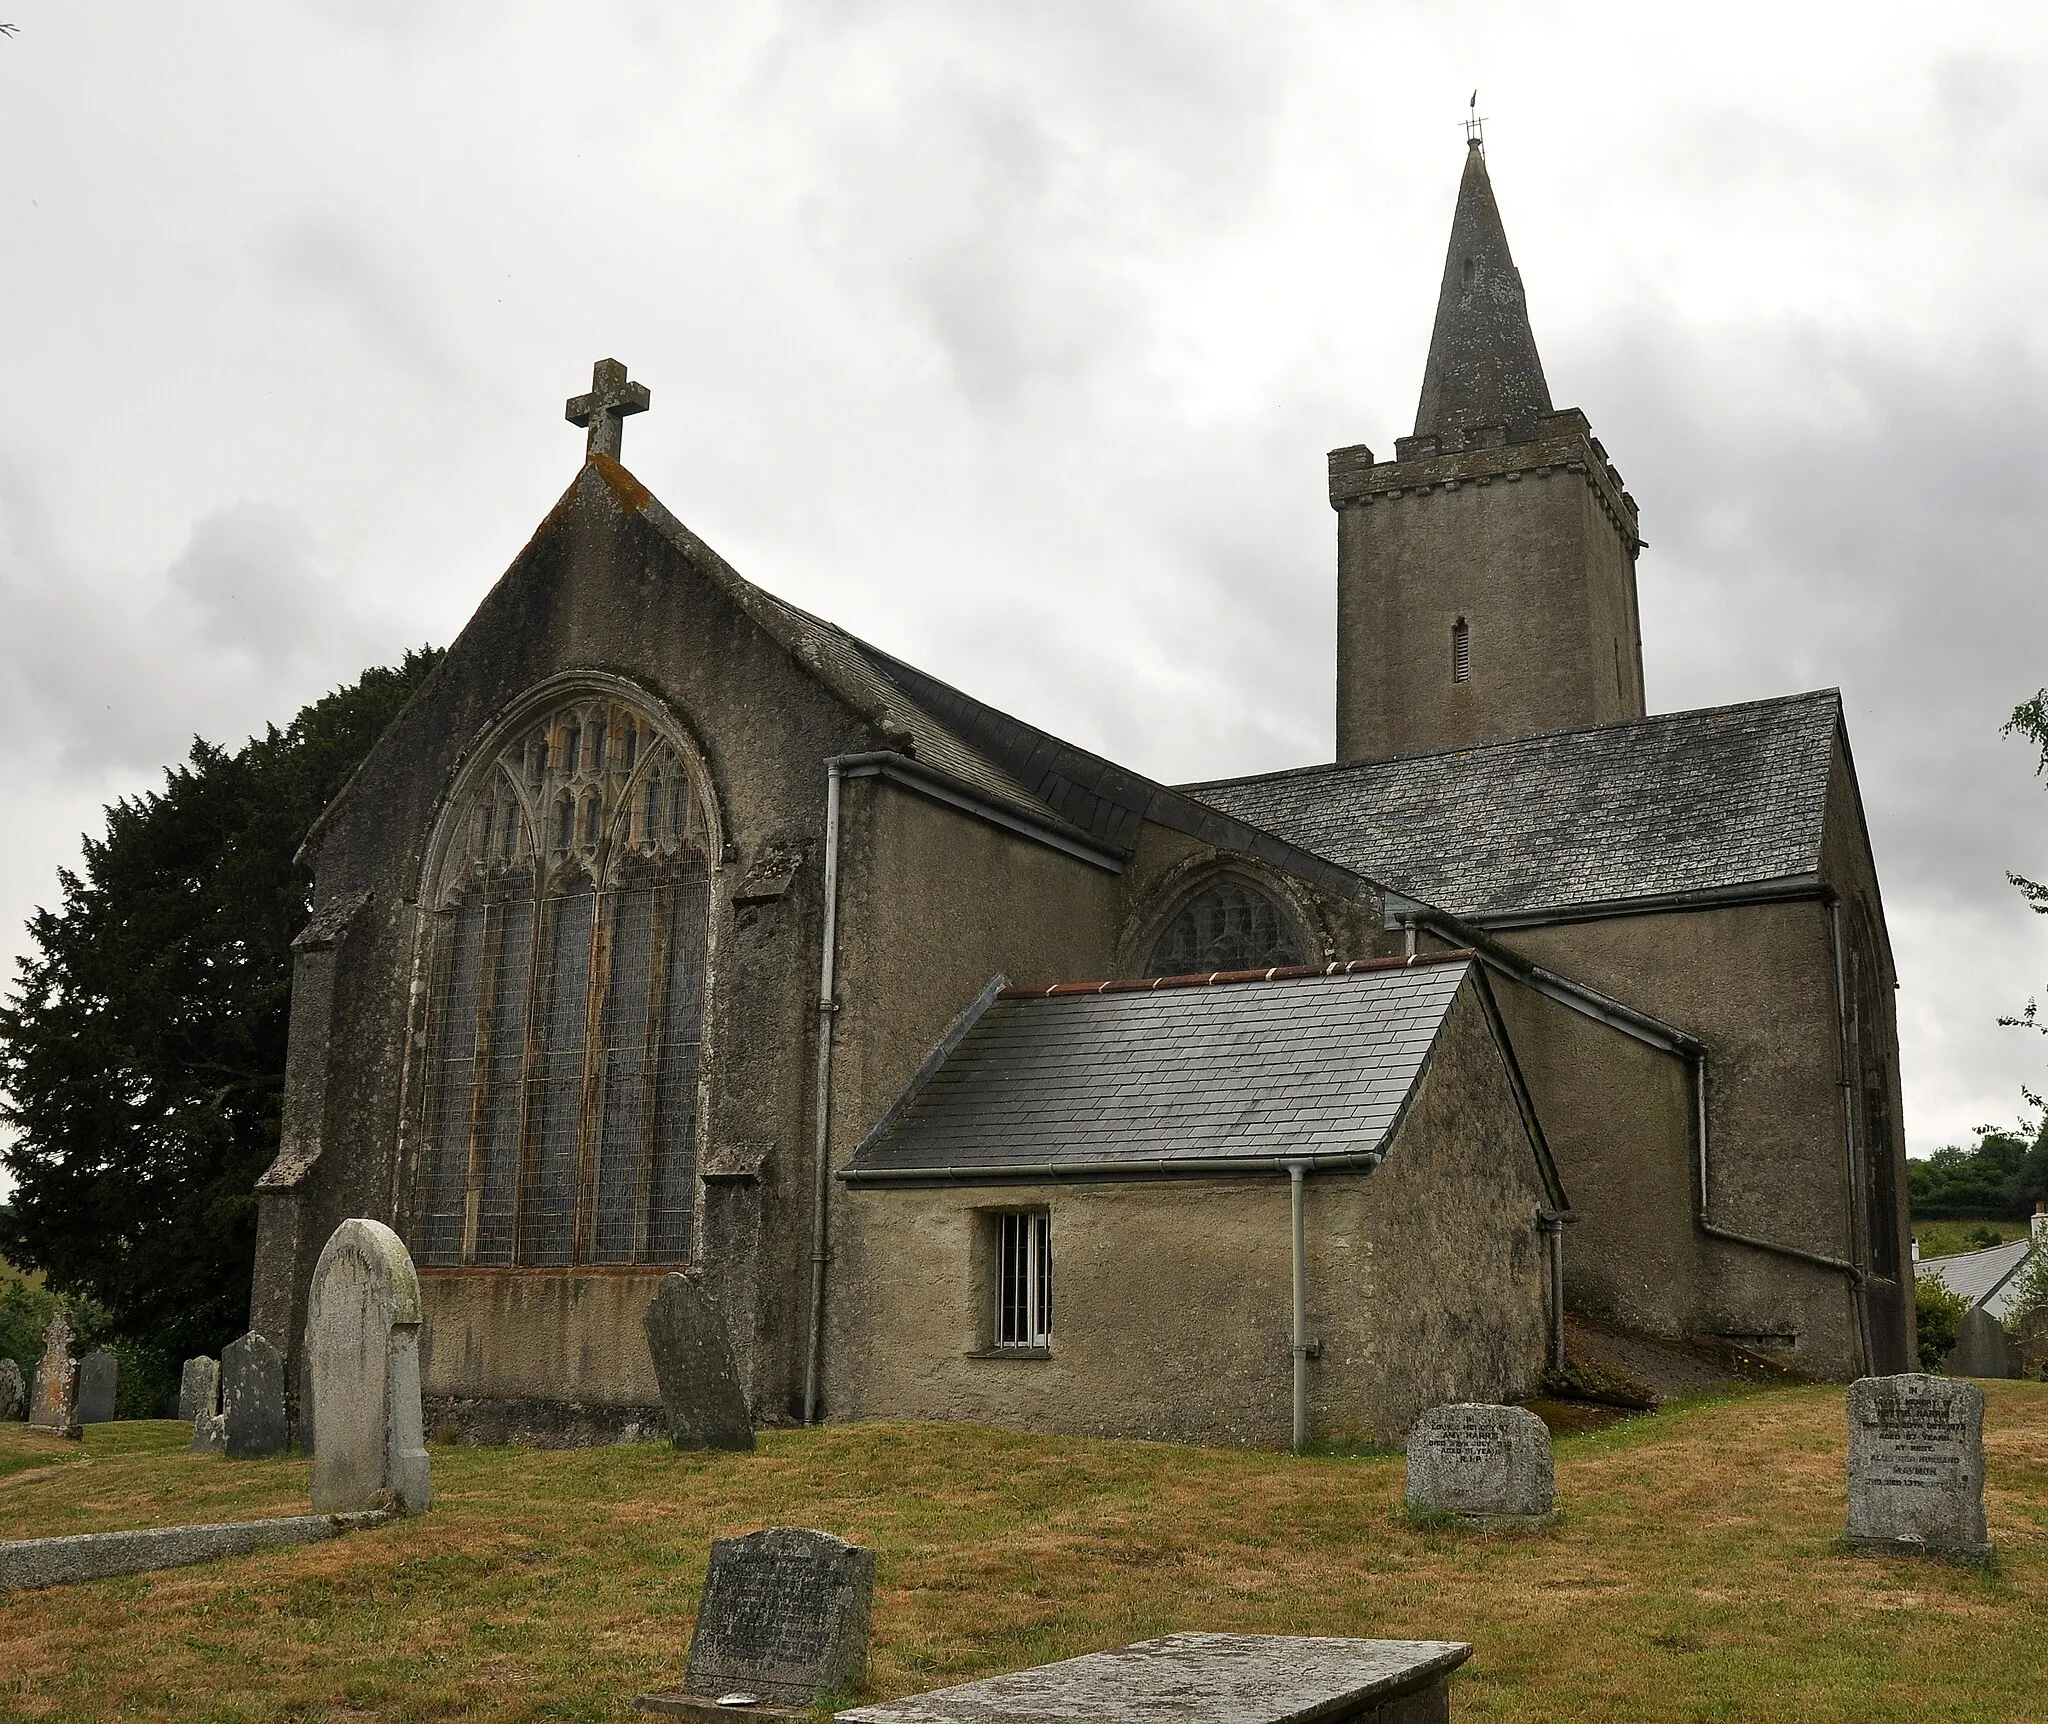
1984, 1277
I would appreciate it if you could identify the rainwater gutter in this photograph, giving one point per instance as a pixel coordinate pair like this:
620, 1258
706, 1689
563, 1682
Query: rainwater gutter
828, 1007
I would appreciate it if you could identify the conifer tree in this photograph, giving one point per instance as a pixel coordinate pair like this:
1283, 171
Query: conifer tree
142, 1048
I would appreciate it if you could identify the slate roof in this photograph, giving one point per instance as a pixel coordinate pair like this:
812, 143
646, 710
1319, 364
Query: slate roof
1985, 1278
1174, 1077
1676, 803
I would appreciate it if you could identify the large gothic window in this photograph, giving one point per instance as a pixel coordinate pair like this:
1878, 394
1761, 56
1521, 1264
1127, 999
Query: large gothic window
558, 1090
1228, 925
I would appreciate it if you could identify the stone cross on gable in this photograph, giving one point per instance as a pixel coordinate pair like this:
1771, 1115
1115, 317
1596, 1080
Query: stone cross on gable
605, 408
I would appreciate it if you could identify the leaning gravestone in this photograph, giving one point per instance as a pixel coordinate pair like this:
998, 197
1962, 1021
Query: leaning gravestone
783, 1620
363, 1357
99, 1374
1916, 1468
54, 1406
13, 1400
252, 1399
198, 1388
1489, 1466
1982, 1347
693, 1362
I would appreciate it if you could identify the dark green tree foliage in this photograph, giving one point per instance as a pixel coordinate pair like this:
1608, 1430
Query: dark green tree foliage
2002, 1178
1936, 1312
142, 1051
2030, 720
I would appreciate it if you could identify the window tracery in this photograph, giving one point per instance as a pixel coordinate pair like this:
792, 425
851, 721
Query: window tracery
1227, 925
569, 920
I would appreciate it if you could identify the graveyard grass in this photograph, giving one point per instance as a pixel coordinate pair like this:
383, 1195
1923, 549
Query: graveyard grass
1691, 1578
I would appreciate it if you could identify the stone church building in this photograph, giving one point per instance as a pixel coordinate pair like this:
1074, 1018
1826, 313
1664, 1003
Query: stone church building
981, 1077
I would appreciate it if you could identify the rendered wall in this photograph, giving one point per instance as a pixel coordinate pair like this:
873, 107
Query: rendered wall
1172, 1313
1544, 581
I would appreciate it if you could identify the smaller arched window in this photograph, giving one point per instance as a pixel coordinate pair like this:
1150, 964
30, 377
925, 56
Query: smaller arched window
650, 815
1228, 925
629, 744
597, 742
593, 810
565, 821
1461, 651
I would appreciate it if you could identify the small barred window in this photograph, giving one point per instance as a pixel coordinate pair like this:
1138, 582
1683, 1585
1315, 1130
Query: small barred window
1226, 926
1461, 651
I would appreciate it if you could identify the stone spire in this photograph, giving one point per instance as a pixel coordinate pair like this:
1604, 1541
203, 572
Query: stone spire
1483, 369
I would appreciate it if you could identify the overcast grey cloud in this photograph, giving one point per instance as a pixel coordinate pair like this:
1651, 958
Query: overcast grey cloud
1013, 338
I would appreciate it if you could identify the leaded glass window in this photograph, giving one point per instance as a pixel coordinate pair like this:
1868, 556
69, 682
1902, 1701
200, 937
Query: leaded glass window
557, 1116
1228, 925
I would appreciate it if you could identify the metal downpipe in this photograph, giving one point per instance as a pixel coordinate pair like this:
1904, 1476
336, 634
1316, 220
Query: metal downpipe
1553, 1250
822, 1106
1297, 1189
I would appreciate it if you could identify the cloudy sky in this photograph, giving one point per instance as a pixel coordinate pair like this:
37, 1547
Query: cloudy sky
1013, 336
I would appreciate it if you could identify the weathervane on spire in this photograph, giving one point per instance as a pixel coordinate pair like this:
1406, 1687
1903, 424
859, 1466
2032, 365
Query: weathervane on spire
1475, 123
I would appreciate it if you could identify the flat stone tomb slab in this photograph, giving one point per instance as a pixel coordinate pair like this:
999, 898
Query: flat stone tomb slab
1916, 1468
1206, 1679
37, 1562
1488, 1465
783, 1620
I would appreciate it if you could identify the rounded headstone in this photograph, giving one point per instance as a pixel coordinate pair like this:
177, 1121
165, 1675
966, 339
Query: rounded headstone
363, 1368
1916, 1467
99, 1375
199, 1388
1482, 1463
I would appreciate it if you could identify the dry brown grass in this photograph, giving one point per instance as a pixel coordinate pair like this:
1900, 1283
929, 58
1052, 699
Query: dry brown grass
1690, 1580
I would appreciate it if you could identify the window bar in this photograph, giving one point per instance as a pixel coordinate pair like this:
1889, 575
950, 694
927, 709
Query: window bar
665, 910
480, 1081
590, 1098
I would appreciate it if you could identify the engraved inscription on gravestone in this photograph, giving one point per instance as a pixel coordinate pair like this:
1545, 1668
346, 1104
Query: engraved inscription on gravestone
98, 1376
1916, 1467
784, 1619
1488, 1465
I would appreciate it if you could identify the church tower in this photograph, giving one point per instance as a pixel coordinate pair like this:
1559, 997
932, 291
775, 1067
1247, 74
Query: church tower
1486, 578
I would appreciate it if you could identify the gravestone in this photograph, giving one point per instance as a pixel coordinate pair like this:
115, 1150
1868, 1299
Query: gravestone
199, 1388
783, 1619
252, 1399
1916, 1467
693, 1362
99, 1374
1489, 1466
54, 1406
209, 1434
1205, 1679
363, 1359
13, 1399
1982, 1347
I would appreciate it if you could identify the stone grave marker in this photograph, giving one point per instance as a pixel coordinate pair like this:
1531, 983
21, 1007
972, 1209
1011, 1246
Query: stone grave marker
1916, 1468
1490, 1466
1206, 1679
54, 1406
99, 1375
1982, 1349
13, 1398
363, 1357
252, 1399
693, 1362
199, 1388
783, 1619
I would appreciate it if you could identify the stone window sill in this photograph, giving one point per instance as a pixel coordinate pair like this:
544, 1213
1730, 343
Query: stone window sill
1011, 1353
